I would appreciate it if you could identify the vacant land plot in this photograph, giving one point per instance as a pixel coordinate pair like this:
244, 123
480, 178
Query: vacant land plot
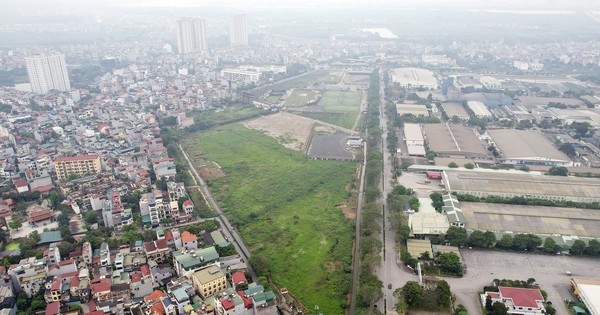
302, 81
286, 208
341, 101
13, 246
233, 113
300, 97
333, 77
356, 79
532, 219
330, 147
292, 131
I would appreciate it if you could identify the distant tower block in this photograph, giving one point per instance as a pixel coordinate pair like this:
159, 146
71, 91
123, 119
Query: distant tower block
238, 31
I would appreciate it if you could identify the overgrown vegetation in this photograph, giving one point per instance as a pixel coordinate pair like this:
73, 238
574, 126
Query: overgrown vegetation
286, 209
431, 296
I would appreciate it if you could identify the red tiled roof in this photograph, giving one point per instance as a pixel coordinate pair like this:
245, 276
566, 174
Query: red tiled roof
40, 215
161, 244
20, 183
522, 297
248, 302
227, 304
145, 270
188, 237
149, 246
75, 158
169, 236
55, 285
136, 277
155, 296
74, 282
493, 295
238, 277
187, 203
53, 308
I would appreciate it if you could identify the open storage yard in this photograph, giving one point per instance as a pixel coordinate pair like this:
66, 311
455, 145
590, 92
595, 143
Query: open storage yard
340, 101
531, 219
287, 208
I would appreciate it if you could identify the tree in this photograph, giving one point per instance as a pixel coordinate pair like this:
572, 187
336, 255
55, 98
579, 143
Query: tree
90, 217
558, 171
259, 264
505, 242
414, 203
431, 155
477, 239
442, 294
530, 281
452, 165
15, 224
413, 293
437, 201
469, 166
498, 309
456, 236
593, 248
567, 149
488, 303
549, 245
578, 247
489, 239
450, 262
550, 310
525, 168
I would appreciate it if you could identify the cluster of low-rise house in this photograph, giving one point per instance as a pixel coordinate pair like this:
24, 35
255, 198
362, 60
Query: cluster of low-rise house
174, 274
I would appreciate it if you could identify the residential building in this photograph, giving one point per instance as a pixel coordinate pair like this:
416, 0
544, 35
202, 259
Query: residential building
156, 250
28, 276
519, 301
209, 281
113, 213
176, 191
76, 165
241, 75
189, 240
191, 35
189, 261
238, 30
87, 253
47, 72
52, 255
105, 259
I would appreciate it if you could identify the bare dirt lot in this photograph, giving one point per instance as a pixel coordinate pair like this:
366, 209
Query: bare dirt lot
211, 172
292, 131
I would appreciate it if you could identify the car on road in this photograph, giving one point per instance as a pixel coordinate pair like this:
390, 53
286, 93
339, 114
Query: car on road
389, 286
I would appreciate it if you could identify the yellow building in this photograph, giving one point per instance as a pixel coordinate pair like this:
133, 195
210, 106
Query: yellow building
77, 165
209, 281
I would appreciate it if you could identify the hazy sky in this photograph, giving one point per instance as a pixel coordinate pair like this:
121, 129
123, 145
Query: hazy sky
7, 5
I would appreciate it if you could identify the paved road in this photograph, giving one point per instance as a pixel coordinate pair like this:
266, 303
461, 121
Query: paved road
229, 231
389, 271
356, 258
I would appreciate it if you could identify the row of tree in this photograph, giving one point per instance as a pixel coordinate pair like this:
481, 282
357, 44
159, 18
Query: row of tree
457, 236
370, 286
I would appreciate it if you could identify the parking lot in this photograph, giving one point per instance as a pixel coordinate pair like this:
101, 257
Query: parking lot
548, 271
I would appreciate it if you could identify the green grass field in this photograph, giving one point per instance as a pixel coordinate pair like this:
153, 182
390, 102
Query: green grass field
345, 120
233, 113
341, 101
273, 99
330, 78
300, 98
285, 207
13, 246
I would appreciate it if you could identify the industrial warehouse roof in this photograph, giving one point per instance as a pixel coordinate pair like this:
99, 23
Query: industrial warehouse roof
414, 109
454, 139
523, 144
589, 291
412, 132
522, 184
455, 109
531, 219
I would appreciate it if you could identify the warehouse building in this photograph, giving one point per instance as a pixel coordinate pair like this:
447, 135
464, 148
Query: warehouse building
571, 222
413, 109
523, 147
448, 140
588, 290
415, 78
452, 109
508, 184
479, 109
413, 137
